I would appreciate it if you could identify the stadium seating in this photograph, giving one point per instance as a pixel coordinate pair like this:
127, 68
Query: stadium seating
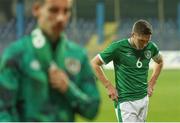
167, 38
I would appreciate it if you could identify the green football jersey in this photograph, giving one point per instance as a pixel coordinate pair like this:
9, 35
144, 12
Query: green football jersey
25, 91
131, 68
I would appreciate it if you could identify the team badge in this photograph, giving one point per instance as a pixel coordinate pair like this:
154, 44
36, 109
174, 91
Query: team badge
73, 65
38, 39
147, 54
35, 65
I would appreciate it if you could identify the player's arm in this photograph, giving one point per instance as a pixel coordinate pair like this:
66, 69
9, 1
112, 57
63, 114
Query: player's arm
84, 97
8, 90
155, 74
97, 66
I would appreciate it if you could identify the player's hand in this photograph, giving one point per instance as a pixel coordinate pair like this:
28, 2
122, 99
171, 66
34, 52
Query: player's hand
58, 79
112, 92
150, 91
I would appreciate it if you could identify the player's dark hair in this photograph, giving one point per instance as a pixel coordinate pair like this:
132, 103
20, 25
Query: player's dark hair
142, 27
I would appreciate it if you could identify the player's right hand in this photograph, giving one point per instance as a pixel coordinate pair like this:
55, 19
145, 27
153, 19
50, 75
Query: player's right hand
112, 92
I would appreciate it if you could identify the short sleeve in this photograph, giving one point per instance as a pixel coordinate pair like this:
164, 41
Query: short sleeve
108, 54
155, 50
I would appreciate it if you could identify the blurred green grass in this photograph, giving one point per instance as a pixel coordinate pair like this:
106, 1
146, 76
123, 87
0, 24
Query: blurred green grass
164, 104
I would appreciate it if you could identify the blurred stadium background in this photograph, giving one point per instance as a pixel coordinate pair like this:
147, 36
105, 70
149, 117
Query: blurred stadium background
96, 23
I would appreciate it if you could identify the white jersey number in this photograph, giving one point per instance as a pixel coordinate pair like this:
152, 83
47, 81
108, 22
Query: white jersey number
139, 63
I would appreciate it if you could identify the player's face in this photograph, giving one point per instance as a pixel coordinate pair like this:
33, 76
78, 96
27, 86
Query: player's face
140, 40
53, 16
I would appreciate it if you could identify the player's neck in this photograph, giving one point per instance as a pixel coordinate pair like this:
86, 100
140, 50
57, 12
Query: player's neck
52, 38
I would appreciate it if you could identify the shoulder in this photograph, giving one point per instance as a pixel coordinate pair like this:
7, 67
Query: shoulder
121, 43
18, 45
75, 48
118, 44
15, 49
152, 45
153, 48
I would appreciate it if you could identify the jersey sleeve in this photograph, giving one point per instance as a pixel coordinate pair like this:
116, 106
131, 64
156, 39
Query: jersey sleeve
85, 95
8, 89
108, 54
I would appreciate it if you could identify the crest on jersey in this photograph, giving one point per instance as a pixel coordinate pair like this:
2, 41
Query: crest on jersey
147, 54
73, 65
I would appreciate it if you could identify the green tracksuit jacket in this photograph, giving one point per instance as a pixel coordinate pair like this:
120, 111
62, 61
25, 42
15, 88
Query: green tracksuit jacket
25, 92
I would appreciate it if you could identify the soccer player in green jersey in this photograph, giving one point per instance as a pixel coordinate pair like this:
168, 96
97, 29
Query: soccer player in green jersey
44, 76
131, 59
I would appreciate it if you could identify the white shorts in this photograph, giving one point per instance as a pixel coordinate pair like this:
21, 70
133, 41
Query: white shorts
132, 111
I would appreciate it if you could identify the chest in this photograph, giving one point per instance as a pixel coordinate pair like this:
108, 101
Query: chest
133, 58
33, 67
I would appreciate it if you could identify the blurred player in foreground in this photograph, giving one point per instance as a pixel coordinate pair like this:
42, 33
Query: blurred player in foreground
131, 59
44, 76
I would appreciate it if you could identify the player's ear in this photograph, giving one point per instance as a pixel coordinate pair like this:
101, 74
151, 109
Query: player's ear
36, 8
